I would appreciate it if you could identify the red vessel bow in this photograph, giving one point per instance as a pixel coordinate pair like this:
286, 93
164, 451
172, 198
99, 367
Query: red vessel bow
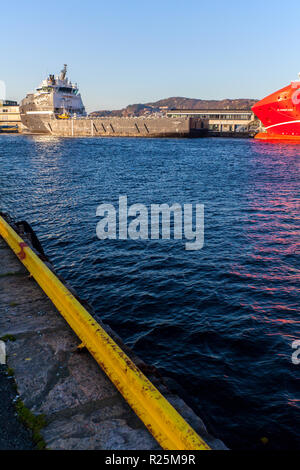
280, 114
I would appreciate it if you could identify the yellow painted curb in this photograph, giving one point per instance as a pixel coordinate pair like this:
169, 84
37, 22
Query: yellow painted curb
166, 425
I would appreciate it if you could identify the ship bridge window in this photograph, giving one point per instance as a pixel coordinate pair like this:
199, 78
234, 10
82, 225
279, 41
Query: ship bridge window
66, 90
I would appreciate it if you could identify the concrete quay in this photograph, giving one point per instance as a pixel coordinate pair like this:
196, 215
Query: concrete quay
118, 127
66, 389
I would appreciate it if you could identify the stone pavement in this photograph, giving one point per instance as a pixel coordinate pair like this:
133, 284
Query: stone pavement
82, 408
13, 434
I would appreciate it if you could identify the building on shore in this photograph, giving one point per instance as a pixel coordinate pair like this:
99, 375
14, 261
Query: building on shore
222, 121
10, 119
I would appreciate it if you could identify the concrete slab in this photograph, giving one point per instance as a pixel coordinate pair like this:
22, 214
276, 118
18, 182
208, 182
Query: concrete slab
10, 265
38, 315
13, 435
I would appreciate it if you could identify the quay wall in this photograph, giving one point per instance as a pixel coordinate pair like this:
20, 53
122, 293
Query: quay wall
127, 127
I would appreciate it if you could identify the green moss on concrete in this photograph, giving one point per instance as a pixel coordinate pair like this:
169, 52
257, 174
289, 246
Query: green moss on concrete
34, 422
11, 274
10, 372
8, 338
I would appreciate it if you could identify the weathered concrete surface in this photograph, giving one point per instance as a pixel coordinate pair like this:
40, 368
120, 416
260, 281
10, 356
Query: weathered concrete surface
82, 407
118, 126
13, 434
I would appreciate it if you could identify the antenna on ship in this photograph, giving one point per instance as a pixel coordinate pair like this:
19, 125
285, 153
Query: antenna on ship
63, 72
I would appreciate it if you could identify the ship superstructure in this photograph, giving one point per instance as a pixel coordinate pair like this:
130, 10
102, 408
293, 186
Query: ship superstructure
280, 113
55, 98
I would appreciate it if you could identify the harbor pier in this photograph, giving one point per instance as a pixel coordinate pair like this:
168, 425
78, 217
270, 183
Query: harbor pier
121, 127
57, 379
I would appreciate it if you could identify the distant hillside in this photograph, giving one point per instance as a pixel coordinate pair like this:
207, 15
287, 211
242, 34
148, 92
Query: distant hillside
177, 103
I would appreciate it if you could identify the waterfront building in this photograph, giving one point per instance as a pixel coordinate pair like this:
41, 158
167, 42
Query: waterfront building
221, 120
10, 119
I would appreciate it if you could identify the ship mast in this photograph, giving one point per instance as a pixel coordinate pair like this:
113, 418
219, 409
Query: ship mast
63, 73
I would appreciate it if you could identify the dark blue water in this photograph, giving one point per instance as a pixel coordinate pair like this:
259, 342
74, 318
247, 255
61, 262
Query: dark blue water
221, 321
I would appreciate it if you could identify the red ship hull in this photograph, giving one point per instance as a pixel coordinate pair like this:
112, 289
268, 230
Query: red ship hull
280, 114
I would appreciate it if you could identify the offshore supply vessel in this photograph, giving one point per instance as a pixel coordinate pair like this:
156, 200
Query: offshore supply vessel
280, 114
56, 108
55, 98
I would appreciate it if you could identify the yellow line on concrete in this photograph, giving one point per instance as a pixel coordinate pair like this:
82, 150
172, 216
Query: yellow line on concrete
166, 425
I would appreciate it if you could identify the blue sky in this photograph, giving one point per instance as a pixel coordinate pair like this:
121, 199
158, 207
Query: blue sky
125, 52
